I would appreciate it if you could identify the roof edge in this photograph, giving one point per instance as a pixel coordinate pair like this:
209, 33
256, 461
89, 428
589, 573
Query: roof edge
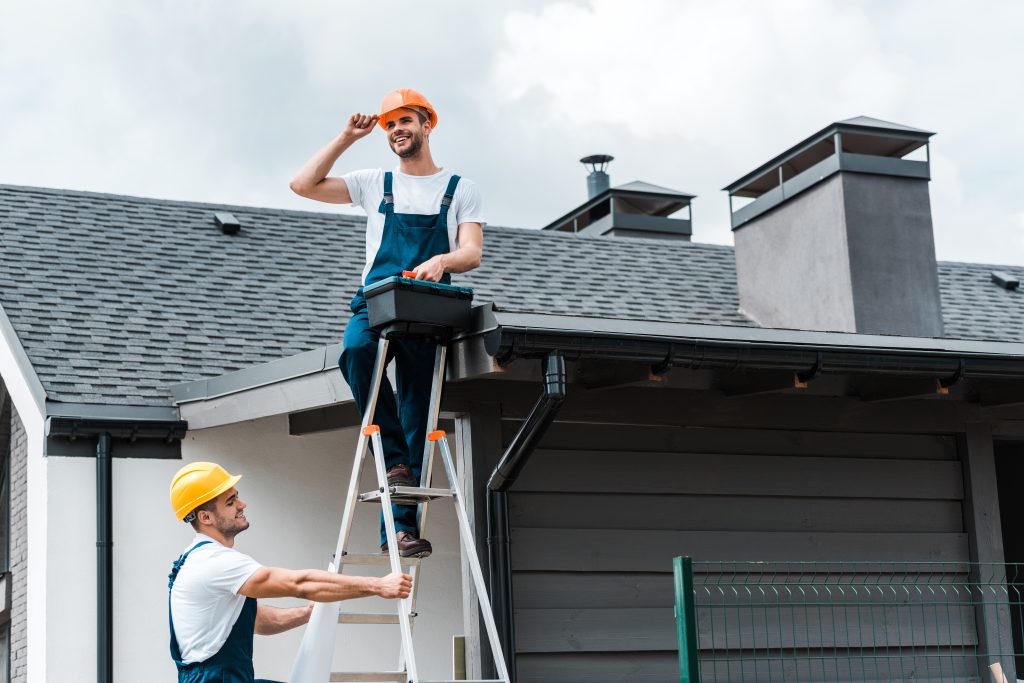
493, 324
12, 348
111, 411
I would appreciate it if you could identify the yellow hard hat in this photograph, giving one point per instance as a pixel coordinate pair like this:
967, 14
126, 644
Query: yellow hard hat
403, 98
197, 483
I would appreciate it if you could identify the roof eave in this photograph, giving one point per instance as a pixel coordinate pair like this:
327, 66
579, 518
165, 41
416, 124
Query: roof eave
717, 346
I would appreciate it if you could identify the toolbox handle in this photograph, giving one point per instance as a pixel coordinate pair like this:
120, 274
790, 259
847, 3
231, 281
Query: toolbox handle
409, 274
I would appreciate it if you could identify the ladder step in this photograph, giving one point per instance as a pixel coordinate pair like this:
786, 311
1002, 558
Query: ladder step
406, 495
368, 676
358, 618
378, 560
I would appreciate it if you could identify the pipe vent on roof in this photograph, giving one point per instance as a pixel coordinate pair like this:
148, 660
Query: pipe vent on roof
227, 222
1005, 280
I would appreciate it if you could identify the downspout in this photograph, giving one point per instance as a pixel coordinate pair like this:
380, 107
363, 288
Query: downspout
104, 562
502, 479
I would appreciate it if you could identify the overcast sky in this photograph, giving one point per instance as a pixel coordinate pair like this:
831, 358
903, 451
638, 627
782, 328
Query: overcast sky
222, 100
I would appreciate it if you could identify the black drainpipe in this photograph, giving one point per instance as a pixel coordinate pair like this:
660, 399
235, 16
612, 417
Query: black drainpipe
104, 562
504, 475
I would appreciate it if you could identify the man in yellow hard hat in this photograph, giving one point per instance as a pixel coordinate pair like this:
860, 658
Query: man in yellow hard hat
419, 217
213, 588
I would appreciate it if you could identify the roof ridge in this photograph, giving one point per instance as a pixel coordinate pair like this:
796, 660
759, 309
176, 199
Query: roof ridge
173, 202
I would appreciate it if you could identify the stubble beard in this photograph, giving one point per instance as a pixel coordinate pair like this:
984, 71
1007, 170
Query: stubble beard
230, 527
414, 148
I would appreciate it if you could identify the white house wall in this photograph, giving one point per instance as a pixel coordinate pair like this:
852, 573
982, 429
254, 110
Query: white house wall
294, 487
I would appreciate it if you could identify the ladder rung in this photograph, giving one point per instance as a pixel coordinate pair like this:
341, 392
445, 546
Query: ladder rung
380, 560
359, 618
406, 495
368, 676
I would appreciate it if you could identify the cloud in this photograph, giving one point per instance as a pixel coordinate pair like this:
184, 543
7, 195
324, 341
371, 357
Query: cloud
693, 95
222, 101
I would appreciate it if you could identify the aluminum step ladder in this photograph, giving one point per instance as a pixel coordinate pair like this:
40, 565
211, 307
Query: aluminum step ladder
407, 670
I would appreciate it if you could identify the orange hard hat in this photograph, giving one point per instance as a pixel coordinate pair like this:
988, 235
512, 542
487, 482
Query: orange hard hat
197, 483
405, 97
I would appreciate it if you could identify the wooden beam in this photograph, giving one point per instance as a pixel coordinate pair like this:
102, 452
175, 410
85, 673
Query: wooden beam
336, 416
1001, 395
751, 384
876, 389
985, 543
478, 449
698, 408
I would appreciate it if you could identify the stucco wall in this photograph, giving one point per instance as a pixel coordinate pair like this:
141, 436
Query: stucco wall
294, 487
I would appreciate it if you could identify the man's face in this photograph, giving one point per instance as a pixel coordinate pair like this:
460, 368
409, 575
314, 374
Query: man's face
228, 516
405, 132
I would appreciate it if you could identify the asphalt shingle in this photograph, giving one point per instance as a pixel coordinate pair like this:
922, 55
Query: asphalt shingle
115, 298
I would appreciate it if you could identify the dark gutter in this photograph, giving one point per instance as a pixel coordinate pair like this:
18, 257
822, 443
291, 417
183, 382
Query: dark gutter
104, 432
504, 475
509, 342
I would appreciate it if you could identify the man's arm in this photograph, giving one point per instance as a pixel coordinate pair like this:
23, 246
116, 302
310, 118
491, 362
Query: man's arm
273, 620
322, 586
465, 258
312, 182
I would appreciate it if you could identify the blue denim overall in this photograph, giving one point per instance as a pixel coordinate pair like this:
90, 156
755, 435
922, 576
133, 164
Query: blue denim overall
409, 239
233, 662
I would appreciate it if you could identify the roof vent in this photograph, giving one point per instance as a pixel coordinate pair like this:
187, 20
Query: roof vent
227, 222
1005, 280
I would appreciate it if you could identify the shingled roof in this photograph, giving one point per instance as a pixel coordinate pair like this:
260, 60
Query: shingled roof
116, 298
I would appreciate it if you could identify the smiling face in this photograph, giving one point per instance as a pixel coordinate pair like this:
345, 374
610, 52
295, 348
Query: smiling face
227, 516
407, 132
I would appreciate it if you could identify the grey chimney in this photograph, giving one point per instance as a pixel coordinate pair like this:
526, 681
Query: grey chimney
838, 235
635, 209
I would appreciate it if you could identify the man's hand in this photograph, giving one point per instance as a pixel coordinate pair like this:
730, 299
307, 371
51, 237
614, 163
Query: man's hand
432, 269
395, 586
359, 126
311, 181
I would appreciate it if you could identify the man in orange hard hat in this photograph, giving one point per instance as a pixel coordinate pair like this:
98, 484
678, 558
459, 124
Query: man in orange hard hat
419, 217
213, 588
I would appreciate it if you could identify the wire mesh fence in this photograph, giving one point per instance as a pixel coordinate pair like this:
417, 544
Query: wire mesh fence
850, 621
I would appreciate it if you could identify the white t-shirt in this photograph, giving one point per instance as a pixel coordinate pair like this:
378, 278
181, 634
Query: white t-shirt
205, 603
413, 194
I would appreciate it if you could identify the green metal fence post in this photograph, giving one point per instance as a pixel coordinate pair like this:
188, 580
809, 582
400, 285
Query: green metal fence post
686, 621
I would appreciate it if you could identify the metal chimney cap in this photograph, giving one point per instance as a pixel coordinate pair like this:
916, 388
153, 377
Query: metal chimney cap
597, 162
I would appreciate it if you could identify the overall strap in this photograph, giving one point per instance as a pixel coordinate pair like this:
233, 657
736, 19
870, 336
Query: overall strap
449, 194
175, 568
387, 204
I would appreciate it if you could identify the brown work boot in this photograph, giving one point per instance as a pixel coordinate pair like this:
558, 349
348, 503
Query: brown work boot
410, 546
401, 475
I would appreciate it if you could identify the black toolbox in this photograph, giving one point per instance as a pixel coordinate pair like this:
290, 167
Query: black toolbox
426, 305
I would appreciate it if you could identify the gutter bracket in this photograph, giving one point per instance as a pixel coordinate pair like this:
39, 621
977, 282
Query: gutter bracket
803, 378
945, 384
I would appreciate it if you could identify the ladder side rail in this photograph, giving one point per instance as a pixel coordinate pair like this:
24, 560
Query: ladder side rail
404, 606
433, 410
469, 548
379, 364
427, 467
